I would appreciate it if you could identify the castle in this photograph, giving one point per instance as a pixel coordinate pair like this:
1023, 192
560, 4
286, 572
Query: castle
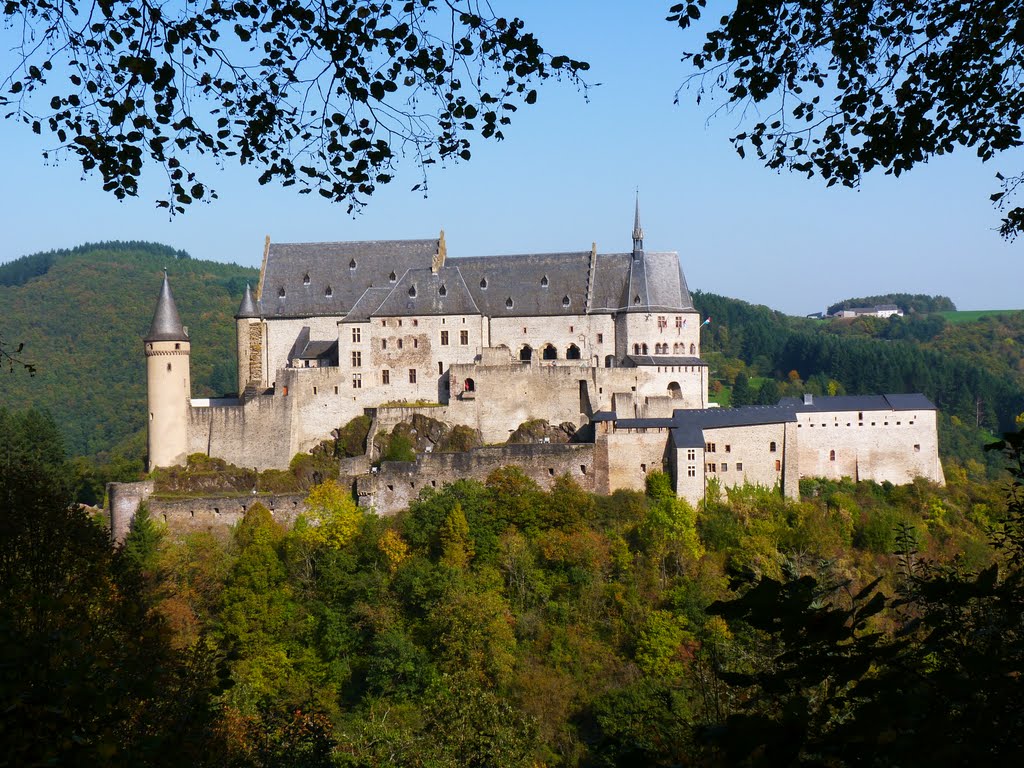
607, 343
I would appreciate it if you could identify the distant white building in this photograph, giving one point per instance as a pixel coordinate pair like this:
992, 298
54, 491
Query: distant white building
880, 310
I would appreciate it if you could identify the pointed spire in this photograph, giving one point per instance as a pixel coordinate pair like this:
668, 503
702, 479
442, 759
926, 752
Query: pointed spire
166, 323
638, 231
248, 306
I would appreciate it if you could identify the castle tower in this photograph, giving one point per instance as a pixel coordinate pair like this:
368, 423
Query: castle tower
249, 338
168, 383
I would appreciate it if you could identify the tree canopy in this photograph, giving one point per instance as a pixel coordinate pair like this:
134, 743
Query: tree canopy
323, 95
844, 87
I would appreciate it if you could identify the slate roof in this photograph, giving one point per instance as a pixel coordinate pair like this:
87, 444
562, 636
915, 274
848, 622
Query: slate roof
639, 360
314, 350
688, 431
604, 416
422, 292
663, 423
166, 325
347, 268
550, 284
248, 307
912, 402
367, 305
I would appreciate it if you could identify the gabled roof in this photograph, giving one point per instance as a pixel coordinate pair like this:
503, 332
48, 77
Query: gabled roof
527, 284
166, 325
688, 431
424, 292
367, 305
315, 350
305, 271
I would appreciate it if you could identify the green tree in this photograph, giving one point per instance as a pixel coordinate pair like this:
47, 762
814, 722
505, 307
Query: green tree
846, 87
741, 394
317, 95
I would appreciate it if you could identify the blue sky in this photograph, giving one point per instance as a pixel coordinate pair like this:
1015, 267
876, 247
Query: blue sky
565, 176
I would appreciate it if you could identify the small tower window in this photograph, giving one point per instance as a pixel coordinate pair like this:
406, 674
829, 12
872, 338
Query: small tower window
352, 264
483, 283
442, 291
328, 292
544, 282
565, 301
392, 277
508, 303
412, 290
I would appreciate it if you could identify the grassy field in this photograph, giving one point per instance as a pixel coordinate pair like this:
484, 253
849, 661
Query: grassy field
975, 314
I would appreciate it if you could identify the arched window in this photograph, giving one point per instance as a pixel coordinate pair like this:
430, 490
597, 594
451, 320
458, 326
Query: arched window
636, 299
352, 264
392, 277
550, 353
442, 291
526, 353
675, 391
832, 455
693, 349
609, 361
280, 292
771, 447
572, 353
566, 301
470, 385
412, 290
508, 303
328, 292
636, 349
483, 283
643, 349
305, 279
544, 282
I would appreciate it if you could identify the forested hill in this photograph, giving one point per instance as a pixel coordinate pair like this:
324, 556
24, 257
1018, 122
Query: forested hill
81, 315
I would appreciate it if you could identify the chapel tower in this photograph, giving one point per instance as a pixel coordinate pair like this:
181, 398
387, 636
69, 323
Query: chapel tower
168, 383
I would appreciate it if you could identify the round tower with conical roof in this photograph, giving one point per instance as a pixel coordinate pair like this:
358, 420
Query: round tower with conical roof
168, 383
249, 332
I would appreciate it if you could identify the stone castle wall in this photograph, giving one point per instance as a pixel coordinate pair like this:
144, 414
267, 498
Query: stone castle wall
397, 484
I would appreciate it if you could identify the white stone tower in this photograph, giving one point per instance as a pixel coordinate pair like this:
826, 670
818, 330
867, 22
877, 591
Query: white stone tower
168, 383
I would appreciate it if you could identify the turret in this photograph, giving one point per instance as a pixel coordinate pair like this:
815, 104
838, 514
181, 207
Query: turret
249, 342
638, 232
168, 383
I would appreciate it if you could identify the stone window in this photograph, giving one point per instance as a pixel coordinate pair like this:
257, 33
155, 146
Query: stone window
544, 282
463, 338
483, 283
709, 448
691, 454
357, 381
728, 448
383, 343
416, 343
444, 338
917, 447
328, 292
440, 367
693, 349
600, 338
509, 303
392, 277
314, 390
725, 467
399, 343
280, 292
643, 349
305, 279
357, 359
412, 290
415, 323
691, 471
662, 322
832, 455
385, 376
636, 349
772, 447
384, 323
356, 335
712, 467
679, 322
399, 322
566, 301
778, 465
412, 375
335, 389
572, 353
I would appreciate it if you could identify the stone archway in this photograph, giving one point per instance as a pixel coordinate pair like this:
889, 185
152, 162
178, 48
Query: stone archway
572, 353
675, 391
549, 352
526, 353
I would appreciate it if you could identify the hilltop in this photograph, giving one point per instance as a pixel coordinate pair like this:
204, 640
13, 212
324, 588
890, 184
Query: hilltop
81, 314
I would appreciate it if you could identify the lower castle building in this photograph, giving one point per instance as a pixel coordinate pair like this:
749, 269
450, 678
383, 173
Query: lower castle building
606, 342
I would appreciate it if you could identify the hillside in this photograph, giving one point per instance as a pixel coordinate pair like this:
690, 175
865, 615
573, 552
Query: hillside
81, 315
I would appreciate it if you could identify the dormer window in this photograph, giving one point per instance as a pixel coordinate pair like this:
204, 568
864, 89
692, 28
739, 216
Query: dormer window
566, 301
636, 299
508, 303
544, 282
280, 292
305, 279
442, 291
328, 292
412, 290
352, 264
392, 277
483, 283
